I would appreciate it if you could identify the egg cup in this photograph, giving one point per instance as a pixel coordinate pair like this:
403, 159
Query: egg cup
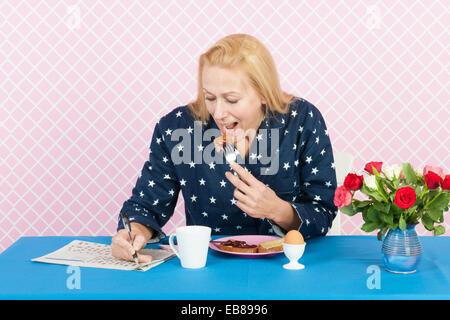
293, 252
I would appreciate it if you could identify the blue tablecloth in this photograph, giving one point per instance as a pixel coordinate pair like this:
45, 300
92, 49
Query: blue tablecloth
337, 267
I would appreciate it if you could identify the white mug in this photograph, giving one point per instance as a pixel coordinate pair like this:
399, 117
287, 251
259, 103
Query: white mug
193, 243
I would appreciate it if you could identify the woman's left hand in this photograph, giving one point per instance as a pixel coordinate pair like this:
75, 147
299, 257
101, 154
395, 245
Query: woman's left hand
254, 197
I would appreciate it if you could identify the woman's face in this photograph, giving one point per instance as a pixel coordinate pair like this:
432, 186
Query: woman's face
234, 105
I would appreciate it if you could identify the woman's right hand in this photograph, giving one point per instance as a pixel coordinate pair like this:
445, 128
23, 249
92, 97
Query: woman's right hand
121, 247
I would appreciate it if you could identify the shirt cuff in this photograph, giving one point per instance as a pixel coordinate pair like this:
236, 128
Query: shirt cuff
158, 234
279, 230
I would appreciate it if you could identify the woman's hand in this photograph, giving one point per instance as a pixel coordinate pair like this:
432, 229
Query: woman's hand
121, 247
254, 197
259, 201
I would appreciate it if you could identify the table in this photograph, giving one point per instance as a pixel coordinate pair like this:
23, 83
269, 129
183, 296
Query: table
337, 267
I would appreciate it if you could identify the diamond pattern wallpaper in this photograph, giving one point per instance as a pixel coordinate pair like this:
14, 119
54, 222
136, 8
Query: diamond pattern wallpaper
82, 84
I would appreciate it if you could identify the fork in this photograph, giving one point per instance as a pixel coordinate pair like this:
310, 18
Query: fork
230, 153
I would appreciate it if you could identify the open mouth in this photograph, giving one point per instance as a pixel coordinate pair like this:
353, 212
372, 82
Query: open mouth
231, 126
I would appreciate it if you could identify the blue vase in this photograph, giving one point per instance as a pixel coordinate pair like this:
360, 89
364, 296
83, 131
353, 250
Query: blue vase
402, 250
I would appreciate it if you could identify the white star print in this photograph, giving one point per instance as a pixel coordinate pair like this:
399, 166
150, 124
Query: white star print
317, 140
212, 165
300, 129
233, 201
155, 202
158, 140
182, 182
190, 129
204, 214
317, 197
194, 198
259, 137
166, 177
224, 217
293, 113
314, 171
180, 147
308, 159
322, 152
222, 183
168, 131
178, 114
216, 229
192, 164
286, 165
165, 159
171, 192
328, 184
311, 114
202, 182
296, 163
141, 194
212, 200
151, 183
200, 147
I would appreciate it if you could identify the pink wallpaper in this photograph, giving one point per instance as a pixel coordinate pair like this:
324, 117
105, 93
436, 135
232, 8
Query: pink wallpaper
82, 84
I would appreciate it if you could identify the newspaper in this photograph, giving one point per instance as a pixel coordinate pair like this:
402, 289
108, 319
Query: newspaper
97, 255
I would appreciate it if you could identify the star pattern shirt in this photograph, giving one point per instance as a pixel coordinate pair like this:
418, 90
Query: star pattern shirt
291, 153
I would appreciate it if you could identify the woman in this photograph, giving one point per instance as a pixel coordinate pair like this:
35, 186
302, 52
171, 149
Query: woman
239, 95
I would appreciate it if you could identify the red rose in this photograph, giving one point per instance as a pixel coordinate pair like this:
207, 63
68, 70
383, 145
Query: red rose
353, 182
432, 180
374, 164
405, 197
446, 182
342, 197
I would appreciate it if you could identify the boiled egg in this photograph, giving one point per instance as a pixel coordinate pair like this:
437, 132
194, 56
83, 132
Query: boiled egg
294, 237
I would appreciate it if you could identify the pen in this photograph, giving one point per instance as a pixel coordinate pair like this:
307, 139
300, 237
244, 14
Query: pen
126, 224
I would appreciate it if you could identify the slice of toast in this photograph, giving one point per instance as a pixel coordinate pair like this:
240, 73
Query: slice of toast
238, 246
271, 246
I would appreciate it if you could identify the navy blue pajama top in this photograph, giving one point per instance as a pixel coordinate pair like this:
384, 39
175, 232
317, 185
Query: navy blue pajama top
291, 153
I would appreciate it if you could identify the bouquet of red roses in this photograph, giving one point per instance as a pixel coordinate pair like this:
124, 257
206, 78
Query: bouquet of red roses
396, 196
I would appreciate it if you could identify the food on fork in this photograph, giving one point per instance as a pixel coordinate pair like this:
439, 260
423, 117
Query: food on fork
222, 140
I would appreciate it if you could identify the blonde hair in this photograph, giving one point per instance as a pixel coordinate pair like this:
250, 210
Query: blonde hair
249, 55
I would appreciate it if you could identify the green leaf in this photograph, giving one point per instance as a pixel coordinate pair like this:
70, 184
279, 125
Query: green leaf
387, 218
371, 193
435, 214
438, 230
440, 202
427, 223
369, 226
383, 207
409, 173
372, 215
402, 223
380, 184
361, 204
348, 210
